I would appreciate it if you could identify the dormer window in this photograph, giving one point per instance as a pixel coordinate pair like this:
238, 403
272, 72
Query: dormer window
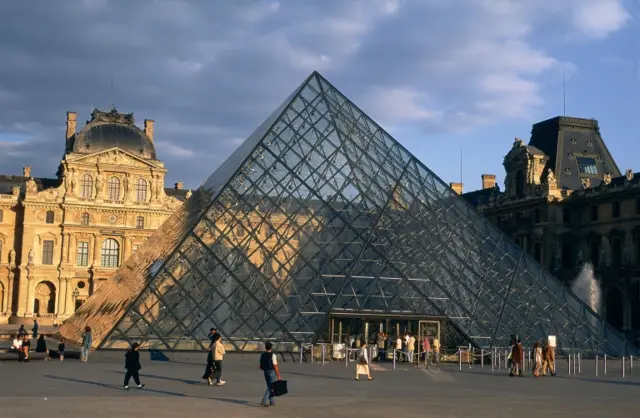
587, 166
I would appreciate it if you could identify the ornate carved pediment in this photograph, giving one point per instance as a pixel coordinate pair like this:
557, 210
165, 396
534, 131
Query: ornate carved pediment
113, 156
49, 195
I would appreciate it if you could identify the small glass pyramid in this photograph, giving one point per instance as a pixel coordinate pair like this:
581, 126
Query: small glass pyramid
320, 213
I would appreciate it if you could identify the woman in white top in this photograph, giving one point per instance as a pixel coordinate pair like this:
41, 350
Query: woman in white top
362, 367
17, 344
537, 356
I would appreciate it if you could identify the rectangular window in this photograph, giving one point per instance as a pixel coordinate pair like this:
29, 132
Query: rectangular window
566, 215
49, 217
594, 213
587, 166
594, 253
537, 252
615, 210
139, 222
83, 254
567, 255
616, 252
47, 252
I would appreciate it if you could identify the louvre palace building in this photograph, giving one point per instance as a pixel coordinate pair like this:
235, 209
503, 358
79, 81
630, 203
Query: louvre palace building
61, 238
566, 202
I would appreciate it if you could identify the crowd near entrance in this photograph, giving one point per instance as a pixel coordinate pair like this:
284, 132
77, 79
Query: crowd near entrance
353, 330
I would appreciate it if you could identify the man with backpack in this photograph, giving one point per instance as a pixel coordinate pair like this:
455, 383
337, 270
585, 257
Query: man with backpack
269, 365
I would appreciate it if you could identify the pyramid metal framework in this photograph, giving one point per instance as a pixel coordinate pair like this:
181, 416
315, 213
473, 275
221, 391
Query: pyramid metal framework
320, 211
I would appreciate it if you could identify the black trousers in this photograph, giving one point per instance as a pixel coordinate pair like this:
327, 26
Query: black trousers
129, 375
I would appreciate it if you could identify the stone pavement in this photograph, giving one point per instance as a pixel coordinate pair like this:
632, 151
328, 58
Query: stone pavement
174, 389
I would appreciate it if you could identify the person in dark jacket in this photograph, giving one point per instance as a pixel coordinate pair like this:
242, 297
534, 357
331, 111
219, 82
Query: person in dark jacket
209, 369
34, 330
269, 365
132, 365
41, 346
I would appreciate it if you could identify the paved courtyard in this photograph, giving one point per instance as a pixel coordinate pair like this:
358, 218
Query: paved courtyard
174, 389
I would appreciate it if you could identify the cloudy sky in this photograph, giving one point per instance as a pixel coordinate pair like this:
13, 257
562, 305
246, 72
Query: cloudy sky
440, 75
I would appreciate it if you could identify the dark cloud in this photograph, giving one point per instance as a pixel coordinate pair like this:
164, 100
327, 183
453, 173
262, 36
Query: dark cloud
210, 72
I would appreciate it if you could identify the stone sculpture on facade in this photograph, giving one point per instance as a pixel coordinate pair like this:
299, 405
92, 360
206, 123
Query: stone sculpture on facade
16, 190
30, 257
12, 257
586, 183
607, 178
189, 193
128, 185
32, 187
99, 183
629, 174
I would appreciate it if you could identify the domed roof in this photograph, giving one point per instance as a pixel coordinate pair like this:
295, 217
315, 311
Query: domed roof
111, 129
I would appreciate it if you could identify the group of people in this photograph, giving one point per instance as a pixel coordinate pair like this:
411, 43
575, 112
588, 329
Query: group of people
21, 344
543, 359
268, 364
407, 344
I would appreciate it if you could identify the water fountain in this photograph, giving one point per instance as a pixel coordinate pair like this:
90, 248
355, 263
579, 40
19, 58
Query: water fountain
586, 287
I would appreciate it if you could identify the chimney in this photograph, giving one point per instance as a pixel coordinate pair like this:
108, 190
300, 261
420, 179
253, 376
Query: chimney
179, 185
148, 128
71, 125
26, 171
457, 187
488, 181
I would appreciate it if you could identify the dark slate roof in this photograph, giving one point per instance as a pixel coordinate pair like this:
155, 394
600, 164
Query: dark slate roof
178, 194
476, 197
563, 139
7, 182
112, 129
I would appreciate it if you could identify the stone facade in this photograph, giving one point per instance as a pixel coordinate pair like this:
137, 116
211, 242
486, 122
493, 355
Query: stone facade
563, 227
61, 238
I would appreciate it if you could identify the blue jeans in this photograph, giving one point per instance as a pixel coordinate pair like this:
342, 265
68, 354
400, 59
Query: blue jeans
270, 377
84, 353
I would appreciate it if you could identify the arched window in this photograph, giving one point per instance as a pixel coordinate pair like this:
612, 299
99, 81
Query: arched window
113, 186
141, 190
49, 217
140, 222
85, 219
520, 183
86, 187
110, 253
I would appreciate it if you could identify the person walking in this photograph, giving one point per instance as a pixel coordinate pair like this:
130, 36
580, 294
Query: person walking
362, 367
212, 336
61, 349
209, 368
398, 348
436, 350
269, 366
411, 347
426, 348
548, 359
516, 358
86, 344
41, 346
34, 330
218, 356
381, 348
132, 365
537, 358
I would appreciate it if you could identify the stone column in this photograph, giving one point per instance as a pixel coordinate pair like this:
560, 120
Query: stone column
8, 307
62, 291
96, 251
68, 297
125, 249
23, 286
29, 296
72, 253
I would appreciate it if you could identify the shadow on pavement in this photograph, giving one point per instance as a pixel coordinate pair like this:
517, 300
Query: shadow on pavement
322, 376
241, 402
155, 376
104, 385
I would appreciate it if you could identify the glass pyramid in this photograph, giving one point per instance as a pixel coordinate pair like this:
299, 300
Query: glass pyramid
321, 212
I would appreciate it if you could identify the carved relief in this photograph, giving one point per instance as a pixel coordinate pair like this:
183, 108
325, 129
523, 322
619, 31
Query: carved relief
116, 158
586, 183
49, 195
607, 178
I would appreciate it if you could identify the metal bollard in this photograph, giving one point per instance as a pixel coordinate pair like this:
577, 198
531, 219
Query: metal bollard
528, 359
482, 358
622, 366
596, 364
460, 359
301, 353
323, 354
346, 357
605, 364
631, 365
506, 360
394, 359
311, 353
569, 359
579, 364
